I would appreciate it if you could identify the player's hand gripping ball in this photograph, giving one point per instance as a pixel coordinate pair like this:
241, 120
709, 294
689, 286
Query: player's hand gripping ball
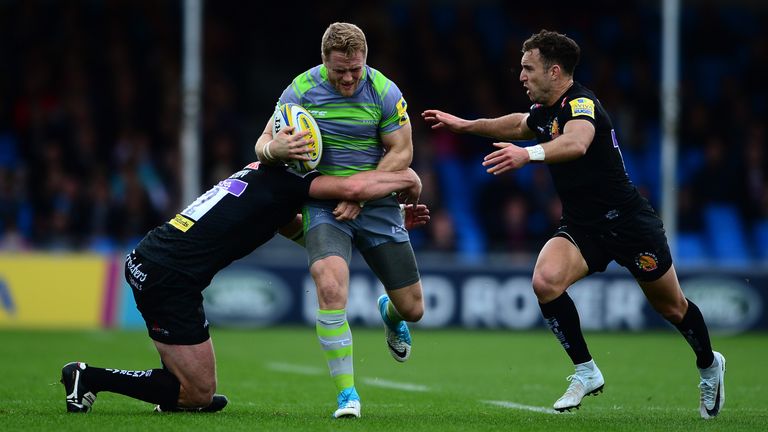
291, 114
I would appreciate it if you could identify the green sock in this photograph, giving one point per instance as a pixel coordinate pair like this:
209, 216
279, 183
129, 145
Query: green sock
336, 340
393, 315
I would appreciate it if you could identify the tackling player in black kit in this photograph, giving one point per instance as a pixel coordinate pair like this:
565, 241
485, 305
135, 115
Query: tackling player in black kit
604, 217
176, 261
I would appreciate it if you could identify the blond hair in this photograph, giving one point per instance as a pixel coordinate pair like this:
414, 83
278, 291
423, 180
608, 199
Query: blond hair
344, 37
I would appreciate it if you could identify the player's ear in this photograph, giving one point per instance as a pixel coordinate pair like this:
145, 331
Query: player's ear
555, 71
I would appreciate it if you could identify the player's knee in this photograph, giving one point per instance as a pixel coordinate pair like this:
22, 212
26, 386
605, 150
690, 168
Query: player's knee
673, 313
413, 312
547, 286
332, 296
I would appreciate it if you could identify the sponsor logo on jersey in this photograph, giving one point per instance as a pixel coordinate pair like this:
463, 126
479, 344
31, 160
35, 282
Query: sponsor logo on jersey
134, 269
582, 107
181, 223
241, 173
646, 261
316, 113
402, 108
253, 165
233, 186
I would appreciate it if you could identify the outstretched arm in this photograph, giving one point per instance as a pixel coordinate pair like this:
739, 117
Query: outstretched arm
367, 186
415, 216
572, 144
512, 127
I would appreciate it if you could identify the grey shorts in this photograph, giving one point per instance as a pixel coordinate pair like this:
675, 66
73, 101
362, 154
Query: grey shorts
378, 233
379, 222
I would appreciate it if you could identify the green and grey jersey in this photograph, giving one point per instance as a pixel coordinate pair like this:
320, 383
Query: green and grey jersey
351, 127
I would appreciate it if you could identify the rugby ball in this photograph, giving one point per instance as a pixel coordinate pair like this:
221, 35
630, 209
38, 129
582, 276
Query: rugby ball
291, 114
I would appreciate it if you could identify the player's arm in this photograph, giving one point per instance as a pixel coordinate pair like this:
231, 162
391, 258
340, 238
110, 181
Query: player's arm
282, 147
398, 156
414, 216
293, 230
366, 186
572, 144
511, 127
399, 149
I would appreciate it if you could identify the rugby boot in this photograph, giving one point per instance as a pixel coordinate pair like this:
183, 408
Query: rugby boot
217, 404
588, 380
349, 404
712, 388
398, 336
78, 397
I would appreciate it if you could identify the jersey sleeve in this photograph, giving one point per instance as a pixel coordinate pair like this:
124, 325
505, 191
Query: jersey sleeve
581, 108
533, 117
298, 185
289, 96
294, 93
394, 110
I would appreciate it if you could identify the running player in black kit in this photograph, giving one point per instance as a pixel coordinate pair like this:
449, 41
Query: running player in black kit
604, 217
176, 261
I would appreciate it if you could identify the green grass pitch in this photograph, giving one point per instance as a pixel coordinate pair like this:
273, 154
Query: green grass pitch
456, 380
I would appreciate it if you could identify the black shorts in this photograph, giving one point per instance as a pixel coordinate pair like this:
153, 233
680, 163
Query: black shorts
639, 244
170, 302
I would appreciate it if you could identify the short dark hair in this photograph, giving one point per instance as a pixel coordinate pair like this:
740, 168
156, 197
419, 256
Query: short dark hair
555, 48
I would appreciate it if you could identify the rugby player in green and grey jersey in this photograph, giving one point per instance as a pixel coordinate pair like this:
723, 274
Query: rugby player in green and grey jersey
364, 125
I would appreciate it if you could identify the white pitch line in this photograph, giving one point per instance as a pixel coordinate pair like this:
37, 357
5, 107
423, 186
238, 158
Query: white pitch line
378, 382
507, 404
296, 369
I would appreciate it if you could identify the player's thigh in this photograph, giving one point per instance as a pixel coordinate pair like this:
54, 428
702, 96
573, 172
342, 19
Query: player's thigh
329, 248
559, 265
324, 235
394, 264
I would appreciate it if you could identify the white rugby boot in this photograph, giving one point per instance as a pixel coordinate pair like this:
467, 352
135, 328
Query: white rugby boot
349, 404
712, 388
588, 380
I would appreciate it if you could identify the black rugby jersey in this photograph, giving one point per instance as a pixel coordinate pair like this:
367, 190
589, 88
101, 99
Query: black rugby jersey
228, 221
594, 189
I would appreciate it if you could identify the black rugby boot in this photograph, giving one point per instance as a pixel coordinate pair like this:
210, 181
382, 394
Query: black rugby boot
217, 404
79, 398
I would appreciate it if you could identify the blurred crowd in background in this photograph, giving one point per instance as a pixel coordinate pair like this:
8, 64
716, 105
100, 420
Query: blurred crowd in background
90, 112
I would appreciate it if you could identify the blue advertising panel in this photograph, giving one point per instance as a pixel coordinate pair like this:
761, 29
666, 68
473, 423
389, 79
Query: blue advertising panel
253, 292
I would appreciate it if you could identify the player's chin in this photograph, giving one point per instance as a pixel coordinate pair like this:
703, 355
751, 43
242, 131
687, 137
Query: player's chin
347, 90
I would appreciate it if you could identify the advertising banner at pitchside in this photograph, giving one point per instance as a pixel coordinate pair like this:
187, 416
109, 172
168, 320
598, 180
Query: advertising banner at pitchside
56, 290
256, 293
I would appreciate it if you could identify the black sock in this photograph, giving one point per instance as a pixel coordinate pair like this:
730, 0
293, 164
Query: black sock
563, 319
157, 386
694, 330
